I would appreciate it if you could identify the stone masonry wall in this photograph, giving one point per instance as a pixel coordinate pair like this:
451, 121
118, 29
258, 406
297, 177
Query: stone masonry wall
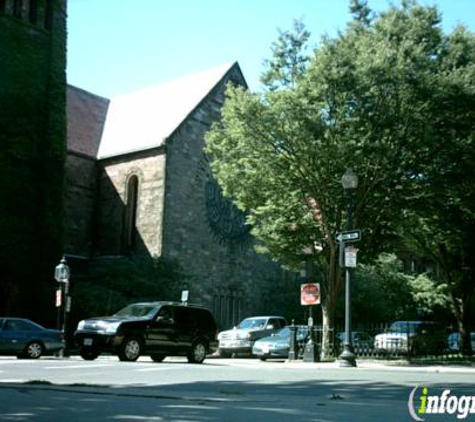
81, 182
32, 154
149, 167
204, 231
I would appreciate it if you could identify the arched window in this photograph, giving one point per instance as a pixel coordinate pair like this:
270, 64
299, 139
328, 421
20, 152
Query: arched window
130, 226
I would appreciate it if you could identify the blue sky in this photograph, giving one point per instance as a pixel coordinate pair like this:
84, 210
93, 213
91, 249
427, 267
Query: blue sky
119, 46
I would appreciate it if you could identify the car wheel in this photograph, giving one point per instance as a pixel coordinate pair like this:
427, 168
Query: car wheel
130, 349
158, 357
88, 353
197, 353
32, 351
263, 358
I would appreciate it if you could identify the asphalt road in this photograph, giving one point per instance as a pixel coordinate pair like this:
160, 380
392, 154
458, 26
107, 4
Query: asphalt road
58, 390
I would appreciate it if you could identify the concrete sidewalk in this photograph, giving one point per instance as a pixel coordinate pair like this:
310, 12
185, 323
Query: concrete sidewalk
363, 364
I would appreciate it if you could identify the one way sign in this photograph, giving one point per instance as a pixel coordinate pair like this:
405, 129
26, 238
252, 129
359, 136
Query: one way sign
349, 236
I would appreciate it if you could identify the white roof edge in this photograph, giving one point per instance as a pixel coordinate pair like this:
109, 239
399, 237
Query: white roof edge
143, 119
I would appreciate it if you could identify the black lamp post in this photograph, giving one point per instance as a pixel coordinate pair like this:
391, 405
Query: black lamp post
63, 301
349, 182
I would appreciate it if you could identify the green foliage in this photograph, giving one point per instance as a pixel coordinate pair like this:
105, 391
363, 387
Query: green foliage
428, 294
289, 63
381, 292
116, 282
391, 96
385, 290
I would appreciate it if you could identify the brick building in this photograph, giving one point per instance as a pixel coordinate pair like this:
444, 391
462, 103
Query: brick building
139, 183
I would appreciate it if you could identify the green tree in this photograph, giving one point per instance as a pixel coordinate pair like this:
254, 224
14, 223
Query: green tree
370, 98
441, 228
382, 289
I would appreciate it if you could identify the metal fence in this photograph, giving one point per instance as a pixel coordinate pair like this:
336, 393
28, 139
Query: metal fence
398, 340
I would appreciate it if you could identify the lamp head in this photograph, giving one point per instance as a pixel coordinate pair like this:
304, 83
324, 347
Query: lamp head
349, 180
61, 272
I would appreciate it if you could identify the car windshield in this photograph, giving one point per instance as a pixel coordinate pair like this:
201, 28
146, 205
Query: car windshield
250, 323
137, 311
284, 332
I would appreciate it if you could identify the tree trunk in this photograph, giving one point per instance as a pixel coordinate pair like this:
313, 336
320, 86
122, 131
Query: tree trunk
327, 334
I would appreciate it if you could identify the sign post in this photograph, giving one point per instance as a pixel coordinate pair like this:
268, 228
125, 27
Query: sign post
310, 295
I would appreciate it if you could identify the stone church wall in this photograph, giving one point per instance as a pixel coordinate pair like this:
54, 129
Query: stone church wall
204, 231
80, 202
149, 168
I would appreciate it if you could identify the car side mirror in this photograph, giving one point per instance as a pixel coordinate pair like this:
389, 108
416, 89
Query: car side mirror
270, 327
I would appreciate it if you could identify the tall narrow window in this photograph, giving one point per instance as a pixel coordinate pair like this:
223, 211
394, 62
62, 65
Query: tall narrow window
33, 11
49, 14
131, 214
17, 8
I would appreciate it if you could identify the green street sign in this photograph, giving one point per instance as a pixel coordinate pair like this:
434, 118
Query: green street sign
349, 236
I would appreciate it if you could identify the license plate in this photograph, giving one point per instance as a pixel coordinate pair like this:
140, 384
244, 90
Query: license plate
87, 342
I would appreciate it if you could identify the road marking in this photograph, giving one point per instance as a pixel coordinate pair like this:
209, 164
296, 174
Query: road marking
156, 368
79, 366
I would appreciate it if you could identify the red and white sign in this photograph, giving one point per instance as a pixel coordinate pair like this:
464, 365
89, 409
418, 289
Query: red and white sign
310, 294
350, 257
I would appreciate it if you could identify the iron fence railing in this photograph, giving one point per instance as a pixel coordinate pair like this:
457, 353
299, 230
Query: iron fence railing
397, 340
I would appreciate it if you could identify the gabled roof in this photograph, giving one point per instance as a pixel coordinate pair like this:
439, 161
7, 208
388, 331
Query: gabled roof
144, 119
86, 114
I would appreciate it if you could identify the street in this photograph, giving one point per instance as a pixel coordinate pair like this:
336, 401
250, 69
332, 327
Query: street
52, 389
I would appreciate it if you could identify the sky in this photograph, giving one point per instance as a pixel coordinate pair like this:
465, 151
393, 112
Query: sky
120, 46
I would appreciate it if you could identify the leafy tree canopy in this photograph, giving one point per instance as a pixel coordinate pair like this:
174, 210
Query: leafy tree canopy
391, 96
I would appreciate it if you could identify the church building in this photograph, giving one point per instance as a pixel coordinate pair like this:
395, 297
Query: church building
139, 183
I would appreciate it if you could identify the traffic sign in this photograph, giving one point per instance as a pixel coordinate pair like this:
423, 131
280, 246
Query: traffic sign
310, 294
350, 257
349, 236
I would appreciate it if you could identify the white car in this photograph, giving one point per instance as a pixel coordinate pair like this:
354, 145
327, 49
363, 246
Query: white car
412, 337
240, 339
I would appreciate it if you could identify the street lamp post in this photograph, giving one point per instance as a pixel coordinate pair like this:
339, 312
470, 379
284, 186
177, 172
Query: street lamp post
63, 301
349, 182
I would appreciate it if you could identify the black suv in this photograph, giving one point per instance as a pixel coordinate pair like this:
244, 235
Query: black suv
157, 329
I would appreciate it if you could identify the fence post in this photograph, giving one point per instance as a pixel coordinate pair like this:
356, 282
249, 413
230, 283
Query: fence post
293, 338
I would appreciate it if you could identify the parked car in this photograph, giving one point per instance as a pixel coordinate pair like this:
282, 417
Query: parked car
277, 345
27, 339
454, 342
412, 337
240, 339
361, 341
157, 329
